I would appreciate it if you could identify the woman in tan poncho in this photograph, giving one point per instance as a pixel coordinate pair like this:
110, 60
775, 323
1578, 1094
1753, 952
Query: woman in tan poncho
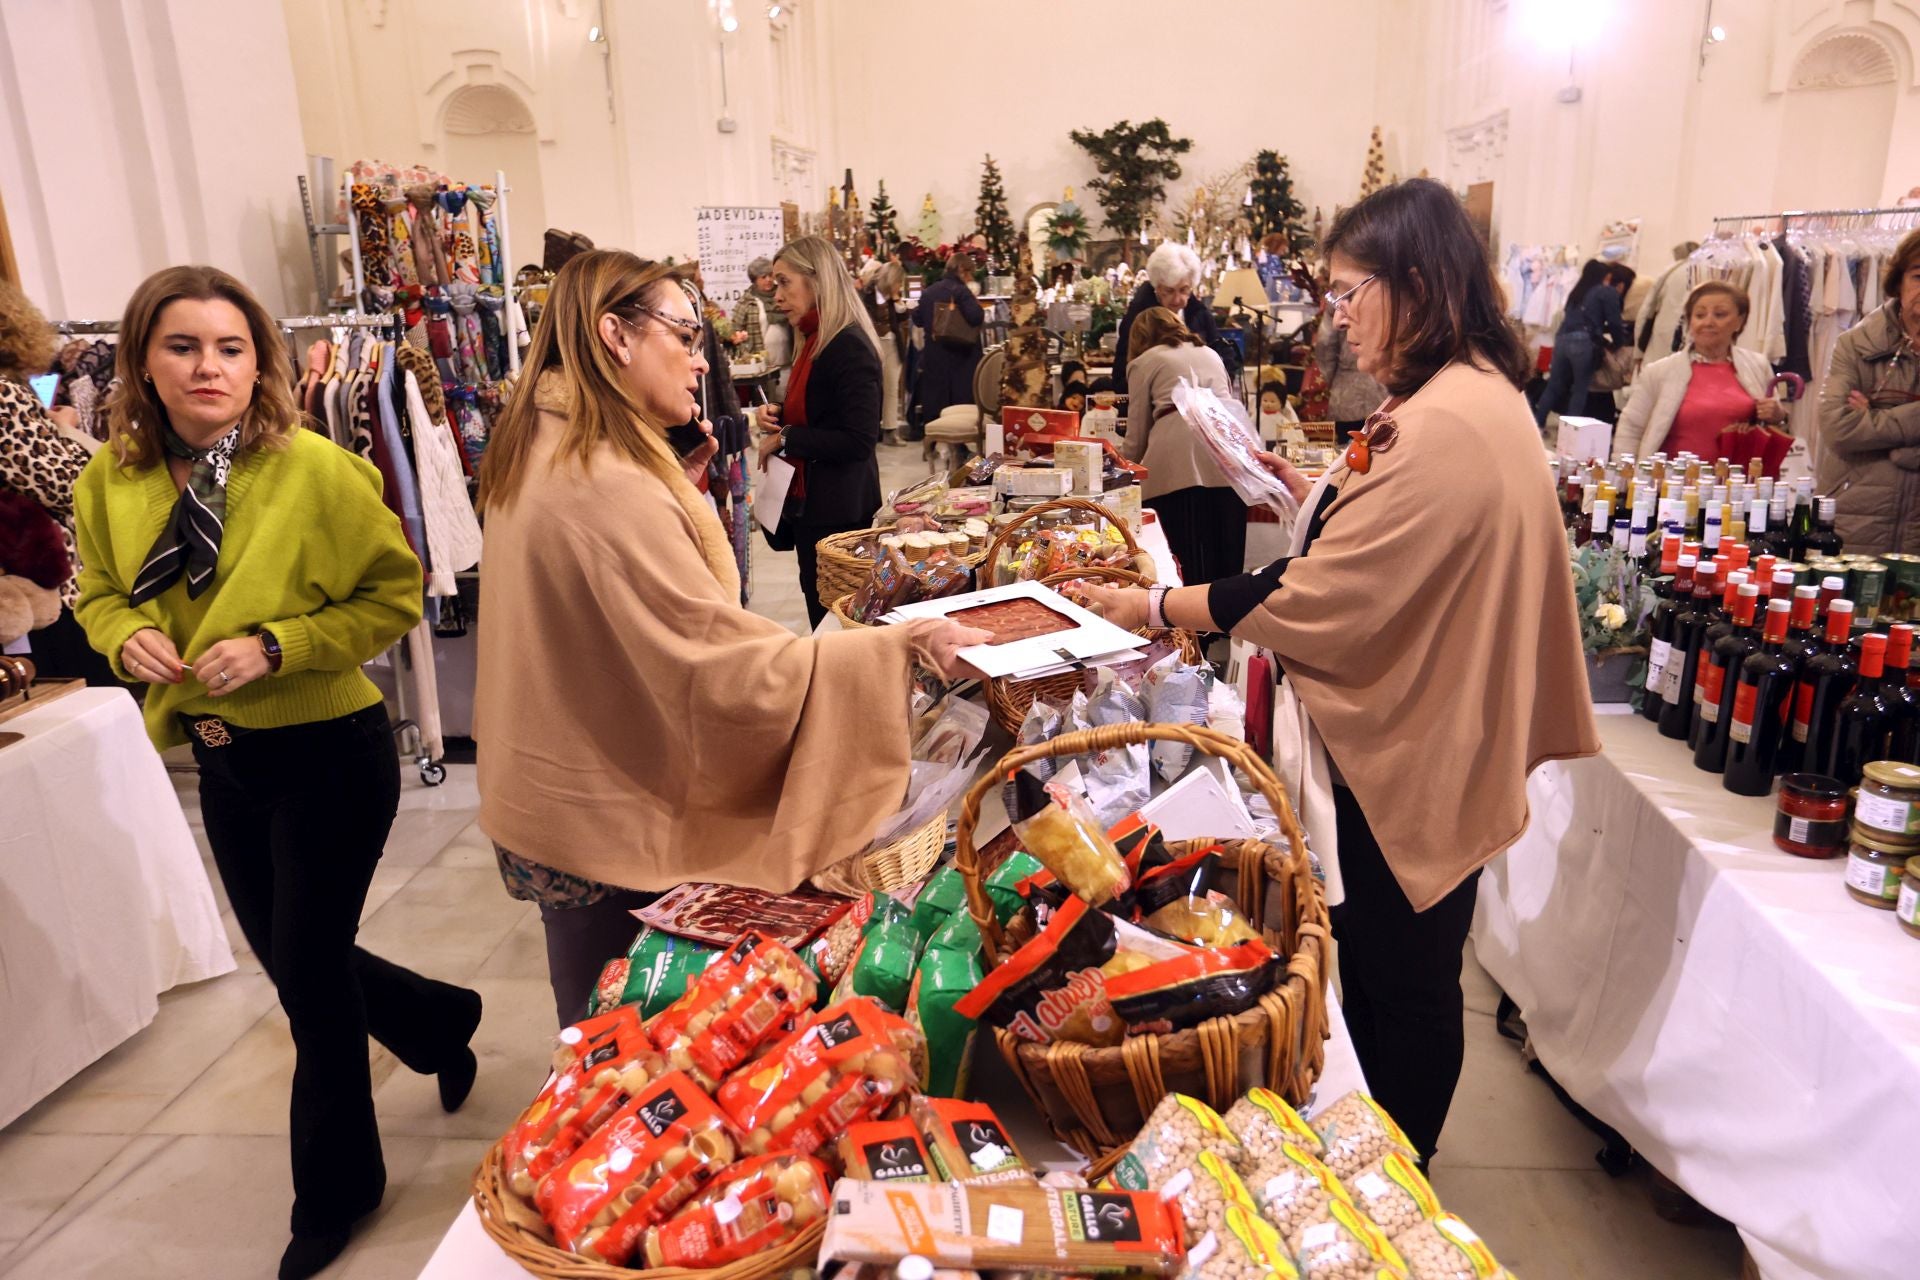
1427, 623
637, 727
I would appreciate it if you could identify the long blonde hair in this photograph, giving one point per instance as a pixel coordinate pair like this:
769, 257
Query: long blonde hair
567, 345
834, 293
134, 411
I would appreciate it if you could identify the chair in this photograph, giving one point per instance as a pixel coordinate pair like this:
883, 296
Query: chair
950, 436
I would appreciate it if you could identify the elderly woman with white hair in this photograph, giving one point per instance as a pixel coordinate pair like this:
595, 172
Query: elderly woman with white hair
1173, 277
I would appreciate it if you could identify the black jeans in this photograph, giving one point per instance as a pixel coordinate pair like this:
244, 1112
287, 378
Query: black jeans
297, 819
1400, 981
804, 539
1206, 531
580, 941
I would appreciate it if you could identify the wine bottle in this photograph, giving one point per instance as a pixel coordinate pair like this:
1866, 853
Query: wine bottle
1757, 538
1717, 629
1600, 528
1660, 628
1903, 741
1803, 642
1824, 683
1864, 719
1682, 666
1823, 541
1719, 679
1831, 589
1762, 707
1801, 528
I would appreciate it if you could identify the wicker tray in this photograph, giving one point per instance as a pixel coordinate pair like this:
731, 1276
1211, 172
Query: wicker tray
839, 572
1009, 700
1096, 1099
516, 1227
838, 608
1142, 562
907, 860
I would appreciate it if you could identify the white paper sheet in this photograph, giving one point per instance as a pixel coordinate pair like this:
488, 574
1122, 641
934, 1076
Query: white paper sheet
771, 497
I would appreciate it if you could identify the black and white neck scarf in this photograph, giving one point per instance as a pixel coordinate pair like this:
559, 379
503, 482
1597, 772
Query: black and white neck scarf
190, 543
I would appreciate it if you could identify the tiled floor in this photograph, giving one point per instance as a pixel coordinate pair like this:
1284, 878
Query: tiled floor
167, 1158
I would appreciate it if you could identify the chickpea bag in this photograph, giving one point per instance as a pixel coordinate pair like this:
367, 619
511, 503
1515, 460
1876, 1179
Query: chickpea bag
968, 1142
1445, 1248
1178, 1132
1295, 1190
1358, 1131
885, 1151
1346, 1245
1394, 1194
650, 1158
1264, 1122
850, 1064
752, 1206
1245, 1247
755, 993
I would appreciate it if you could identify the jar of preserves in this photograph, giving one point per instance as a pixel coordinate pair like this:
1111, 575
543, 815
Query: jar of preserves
1875, 868
1889, 803
1909, 902
1812, 817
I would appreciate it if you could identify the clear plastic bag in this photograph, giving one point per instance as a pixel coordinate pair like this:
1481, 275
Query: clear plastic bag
1177, 1133
1295, 1191
1394, 1194
1446, 1248
1244, 1247
1344, 1247
1358, 1131
1264, 1122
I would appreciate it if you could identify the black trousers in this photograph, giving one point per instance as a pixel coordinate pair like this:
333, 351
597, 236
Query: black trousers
61, 651
580, 941
1206, 530
803, 545
297, 819
1400, 981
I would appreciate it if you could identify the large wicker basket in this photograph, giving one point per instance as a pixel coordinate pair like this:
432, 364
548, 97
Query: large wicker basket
1142, 563
512, 1226
1096, 1099
1010, 700
838, 571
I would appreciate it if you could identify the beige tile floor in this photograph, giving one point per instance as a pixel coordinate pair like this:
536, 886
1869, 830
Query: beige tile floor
167, 1158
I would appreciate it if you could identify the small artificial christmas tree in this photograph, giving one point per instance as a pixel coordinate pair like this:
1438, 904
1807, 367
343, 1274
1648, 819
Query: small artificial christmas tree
1068, 230
929, 229
1375, 176
1275, 207
882, 222
992, 222
1135, 163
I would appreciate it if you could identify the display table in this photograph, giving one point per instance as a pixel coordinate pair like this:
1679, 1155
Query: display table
467, 1253
1751, 1029
106, 903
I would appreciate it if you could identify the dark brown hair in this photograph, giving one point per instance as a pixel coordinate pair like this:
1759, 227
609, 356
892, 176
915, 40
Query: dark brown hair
1416, 237
1720, 288
1158, 327
1904, 259
134, 412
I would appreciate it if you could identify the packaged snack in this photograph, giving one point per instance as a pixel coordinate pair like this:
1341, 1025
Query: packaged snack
717, 914
1056, 827
1445, 1248
1042, 723
599, 1066
890, 585
968, 1142
650, 1158
1117, 779
1003, 886
1346, 1245
756, 992
1295, 1190
1264, 1122
750, 1207
944, 895
1052, 988
1394, 1194
1212, 982
1177, 1133
883, 967
849, 1064
1357, 1131
1175, 694
655, 971
1211, 921
1014, 1228
943, 979
1205, 1190
885, 1151
1244, 1247
960, 933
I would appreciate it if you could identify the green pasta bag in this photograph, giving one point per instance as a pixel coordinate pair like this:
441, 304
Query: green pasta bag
959, 933
882, 968
944, 895
655, 971
942, 978
1003, 886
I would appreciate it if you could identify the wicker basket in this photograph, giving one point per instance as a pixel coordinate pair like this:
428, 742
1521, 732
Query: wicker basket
1010, 700
839, 572
1096, 1099
907, 860
502, 1215
839, 609
1142, 562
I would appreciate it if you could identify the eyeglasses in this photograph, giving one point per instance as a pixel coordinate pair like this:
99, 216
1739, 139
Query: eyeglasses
690, 331
1338, 301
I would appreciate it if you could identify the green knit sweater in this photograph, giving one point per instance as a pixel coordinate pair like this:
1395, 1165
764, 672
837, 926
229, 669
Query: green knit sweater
309, 552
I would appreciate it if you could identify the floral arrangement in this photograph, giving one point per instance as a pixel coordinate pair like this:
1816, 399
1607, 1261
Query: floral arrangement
1614, 600
1068, 230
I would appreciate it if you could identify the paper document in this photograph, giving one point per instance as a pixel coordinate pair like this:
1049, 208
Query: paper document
771, 497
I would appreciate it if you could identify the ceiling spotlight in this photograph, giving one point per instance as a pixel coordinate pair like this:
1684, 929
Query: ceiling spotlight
1717, 34
595, 35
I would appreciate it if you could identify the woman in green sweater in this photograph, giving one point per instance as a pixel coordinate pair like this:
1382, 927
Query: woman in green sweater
244, 569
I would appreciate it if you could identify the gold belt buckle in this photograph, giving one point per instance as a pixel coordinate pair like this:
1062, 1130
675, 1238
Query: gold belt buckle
212, 732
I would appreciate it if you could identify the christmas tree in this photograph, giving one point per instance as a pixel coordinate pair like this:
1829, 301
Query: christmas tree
1275, 207
881, 221
992, 222
928, 232
1375, 176
1135, 163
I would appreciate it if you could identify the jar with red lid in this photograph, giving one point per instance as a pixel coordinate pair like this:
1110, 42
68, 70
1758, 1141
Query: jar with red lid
1812, 819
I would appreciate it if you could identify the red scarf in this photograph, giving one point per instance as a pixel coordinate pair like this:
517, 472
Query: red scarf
793, 409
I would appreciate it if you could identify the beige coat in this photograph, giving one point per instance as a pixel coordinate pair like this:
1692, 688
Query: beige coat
1870, 458
637, 726
1156, 433
1430, 631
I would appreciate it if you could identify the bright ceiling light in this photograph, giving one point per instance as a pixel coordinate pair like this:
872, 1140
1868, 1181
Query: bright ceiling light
1558, 27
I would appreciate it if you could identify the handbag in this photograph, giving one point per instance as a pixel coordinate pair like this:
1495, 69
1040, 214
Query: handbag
1615, 371
951, 327
776, 338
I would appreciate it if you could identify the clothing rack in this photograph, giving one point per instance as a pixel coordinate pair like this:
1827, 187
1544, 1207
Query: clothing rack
1787, 218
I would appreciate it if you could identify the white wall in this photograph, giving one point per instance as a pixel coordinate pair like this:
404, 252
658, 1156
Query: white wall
140, 134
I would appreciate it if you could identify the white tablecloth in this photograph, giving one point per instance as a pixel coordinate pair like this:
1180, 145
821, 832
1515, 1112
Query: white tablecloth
466, 1252
1748, 1026
105, 902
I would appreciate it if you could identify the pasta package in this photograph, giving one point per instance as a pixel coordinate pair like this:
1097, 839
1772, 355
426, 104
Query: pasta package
750, 1207
1264, 1122
885, 1151
655, 971
944, 896
1012, 1228
1245, 1247
650, 1158
849, 1064
1358, 1131
1346, 1245
757, 992
944, 978
1187, 990
600, 1065
1178, 1132
883, 967
1058, 828
968, 1142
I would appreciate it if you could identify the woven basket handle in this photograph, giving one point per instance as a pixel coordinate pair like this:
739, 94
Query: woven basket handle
1005, 536
966, 857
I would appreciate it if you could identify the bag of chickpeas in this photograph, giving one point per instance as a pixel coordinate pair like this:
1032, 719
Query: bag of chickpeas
850, 1064
1244, 1248
1295, 1191
1345, 1247
1446, 1248
753, 1206
1358, 1131
1394, 1194
1264, 1122
1176, 1134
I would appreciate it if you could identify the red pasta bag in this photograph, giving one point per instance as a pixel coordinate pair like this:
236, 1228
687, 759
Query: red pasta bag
754, 993
599, 1065
850, 1064
756, 1205
655, 1154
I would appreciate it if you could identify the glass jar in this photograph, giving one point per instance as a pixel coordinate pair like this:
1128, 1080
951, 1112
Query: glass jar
1909, 905
1889, 803
1875, 868
1812, 818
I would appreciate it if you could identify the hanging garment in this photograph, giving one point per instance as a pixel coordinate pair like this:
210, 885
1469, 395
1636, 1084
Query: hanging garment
453, 534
